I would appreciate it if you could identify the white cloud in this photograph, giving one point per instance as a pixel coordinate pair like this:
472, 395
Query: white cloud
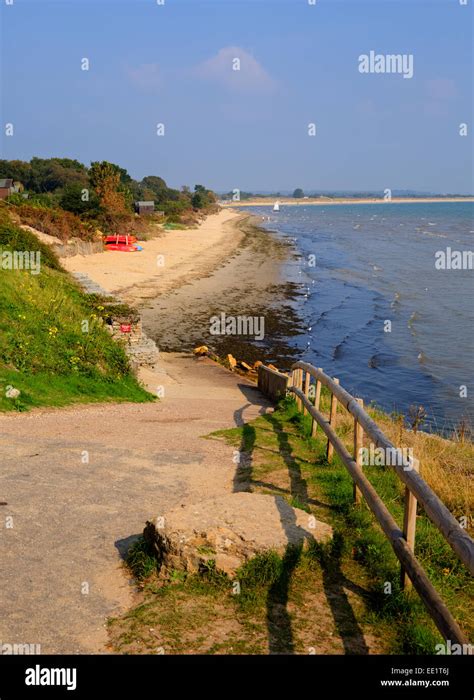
249, 77
147, 75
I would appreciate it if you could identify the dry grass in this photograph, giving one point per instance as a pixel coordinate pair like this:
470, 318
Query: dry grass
446, 465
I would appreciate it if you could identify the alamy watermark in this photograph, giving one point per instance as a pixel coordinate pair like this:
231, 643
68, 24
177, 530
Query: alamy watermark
21, 260
454, 649
387, 457
454, 259
41, 675
18, 649
237, 325
400, 63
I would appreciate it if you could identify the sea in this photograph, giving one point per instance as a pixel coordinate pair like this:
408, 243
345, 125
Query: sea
386, 301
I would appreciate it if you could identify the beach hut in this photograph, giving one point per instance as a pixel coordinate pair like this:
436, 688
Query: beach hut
6, 187
145, 207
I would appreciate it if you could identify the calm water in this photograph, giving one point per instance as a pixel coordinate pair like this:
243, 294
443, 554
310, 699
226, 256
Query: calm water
376, 263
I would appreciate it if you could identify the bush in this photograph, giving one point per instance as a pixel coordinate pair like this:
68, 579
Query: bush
16, 238
54, 222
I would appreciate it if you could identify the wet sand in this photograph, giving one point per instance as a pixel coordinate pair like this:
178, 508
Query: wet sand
228, 264
249, 283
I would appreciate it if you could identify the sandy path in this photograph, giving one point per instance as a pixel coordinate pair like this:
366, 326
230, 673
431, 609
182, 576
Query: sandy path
60, 572
173, 259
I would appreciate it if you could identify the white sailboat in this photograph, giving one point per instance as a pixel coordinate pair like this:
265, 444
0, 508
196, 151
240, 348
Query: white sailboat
276, 206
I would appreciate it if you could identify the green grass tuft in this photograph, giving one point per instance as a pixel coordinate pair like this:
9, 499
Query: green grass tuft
141, 560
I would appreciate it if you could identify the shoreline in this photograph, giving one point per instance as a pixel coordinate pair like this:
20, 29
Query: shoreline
228, 264
290, 202
248, 283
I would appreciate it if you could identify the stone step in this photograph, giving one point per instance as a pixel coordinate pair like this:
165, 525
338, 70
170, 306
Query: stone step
228, 530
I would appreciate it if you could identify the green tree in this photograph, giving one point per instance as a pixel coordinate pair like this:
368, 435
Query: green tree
298, 193
198, 200
79, 200
51, 174
18, 170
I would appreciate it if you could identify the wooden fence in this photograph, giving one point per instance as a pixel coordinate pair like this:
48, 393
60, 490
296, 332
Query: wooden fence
272, 383
416, 489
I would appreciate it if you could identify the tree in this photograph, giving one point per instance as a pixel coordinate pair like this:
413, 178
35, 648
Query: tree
115, 199
51, 174
198, 200
155, 183
79, 200
298, 193
18, 170
202, 197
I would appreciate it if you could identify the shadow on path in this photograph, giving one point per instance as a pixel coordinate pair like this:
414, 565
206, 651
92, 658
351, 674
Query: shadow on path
335, 583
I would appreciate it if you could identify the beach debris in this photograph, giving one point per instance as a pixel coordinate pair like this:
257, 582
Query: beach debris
244, 365
12, 393
229, 532
201, 350
232, 362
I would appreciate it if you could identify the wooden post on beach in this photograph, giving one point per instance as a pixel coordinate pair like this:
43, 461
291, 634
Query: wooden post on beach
358, 444
332, 423
317, 399
409, 529
306, 389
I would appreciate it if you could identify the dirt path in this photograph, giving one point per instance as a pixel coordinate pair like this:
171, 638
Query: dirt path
76, 484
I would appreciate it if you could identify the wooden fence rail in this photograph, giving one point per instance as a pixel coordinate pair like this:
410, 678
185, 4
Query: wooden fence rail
416, 491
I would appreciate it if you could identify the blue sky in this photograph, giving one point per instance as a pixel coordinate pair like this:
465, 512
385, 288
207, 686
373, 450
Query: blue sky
246, 129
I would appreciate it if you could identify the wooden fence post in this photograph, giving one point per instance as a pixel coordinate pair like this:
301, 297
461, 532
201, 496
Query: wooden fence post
299, 384
409, 528
332, 423
306, 389
358, 444
317, 399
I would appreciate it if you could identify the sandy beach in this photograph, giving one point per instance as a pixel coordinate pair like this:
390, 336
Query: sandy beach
228, 264
171, 259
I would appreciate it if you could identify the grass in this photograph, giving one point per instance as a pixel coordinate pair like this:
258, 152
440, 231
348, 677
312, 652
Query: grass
363, 539
140, 560
447, 465
54, 346
341, 597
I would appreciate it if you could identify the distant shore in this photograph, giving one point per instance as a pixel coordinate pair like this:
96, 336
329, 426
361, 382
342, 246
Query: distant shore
323, 201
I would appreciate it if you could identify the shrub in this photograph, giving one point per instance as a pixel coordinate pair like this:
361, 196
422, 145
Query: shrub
16, 238
54, 222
